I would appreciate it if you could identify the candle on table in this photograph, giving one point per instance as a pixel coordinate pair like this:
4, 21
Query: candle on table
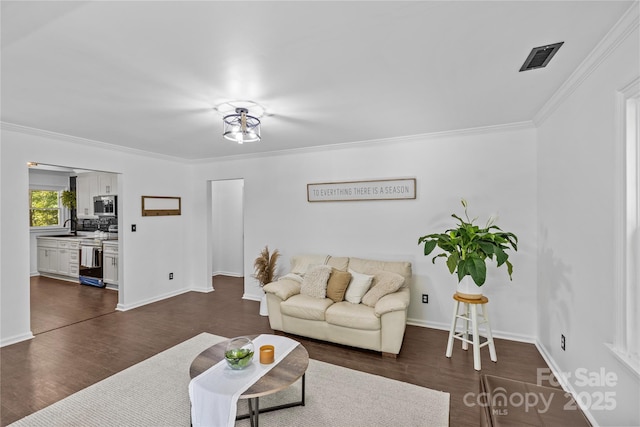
267, 354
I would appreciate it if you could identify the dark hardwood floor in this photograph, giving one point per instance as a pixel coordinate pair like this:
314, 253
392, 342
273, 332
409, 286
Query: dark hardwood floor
58, 303
62, 361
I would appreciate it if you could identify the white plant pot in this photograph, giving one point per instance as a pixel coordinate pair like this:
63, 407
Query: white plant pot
467, 288
264, 311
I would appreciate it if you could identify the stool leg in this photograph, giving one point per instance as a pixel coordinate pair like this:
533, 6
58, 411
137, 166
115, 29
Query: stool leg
476, 337
492, 347
452, 331
465, 341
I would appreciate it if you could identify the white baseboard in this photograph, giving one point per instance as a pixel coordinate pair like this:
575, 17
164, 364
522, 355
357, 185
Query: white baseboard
251, 297
227, 273
496, 334
203, 290
16, 339
126, 307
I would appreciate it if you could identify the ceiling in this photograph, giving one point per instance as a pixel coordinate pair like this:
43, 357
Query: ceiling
147, 74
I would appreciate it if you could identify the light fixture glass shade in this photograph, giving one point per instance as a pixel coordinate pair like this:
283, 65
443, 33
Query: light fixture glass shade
241, 127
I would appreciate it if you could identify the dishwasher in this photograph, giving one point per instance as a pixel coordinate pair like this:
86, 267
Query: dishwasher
91, 263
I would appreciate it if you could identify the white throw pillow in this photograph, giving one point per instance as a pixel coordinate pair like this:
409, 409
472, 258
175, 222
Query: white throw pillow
358, 286
314, 282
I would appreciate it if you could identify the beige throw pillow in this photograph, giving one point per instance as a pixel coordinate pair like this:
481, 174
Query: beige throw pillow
359, 285
337, 284
384, 283
314, 283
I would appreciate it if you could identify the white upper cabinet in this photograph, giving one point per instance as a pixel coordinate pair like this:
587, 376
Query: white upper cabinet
92, 184
107, 184
86, 188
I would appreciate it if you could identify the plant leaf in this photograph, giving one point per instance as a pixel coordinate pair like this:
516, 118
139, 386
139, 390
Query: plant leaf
509, 269
429, 246
452, 262
477, 268
501, 256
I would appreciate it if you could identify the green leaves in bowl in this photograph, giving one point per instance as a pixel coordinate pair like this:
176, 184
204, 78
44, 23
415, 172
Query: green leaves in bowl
239, 358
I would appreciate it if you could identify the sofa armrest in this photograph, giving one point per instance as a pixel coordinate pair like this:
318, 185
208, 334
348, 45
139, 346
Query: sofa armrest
397, 301
283, 288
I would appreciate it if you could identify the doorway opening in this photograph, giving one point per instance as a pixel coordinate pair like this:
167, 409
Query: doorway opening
227, 228
67, 240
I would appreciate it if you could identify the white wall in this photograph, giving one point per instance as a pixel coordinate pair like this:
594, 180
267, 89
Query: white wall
496, 174
577, 213
157, 248
227, 227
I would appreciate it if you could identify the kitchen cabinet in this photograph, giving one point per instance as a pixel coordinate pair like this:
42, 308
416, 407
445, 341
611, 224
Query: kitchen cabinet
110, 262
47, 256
90, 184
58, 257
68, 257
107, 184
86, 188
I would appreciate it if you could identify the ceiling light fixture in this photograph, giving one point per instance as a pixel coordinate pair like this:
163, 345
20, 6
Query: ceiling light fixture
241, 127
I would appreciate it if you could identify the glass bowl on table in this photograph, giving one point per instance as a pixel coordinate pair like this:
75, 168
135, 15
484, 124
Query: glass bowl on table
239, 352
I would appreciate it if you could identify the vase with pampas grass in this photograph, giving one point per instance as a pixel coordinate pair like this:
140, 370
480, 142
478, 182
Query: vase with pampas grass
265, 269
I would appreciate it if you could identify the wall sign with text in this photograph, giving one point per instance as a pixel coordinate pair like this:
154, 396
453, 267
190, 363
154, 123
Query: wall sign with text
384, 189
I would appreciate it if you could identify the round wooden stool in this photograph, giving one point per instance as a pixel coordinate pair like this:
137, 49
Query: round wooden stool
470, 316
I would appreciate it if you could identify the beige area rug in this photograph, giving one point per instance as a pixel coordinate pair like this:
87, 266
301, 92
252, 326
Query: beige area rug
155, 393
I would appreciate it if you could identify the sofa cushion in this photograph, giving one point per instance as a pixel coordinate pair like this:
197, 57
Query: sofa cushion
368, 266
300, 263
284, 288
340, 263
384, 283
359, 285
315, 280
305, 307
337, 284
352, 316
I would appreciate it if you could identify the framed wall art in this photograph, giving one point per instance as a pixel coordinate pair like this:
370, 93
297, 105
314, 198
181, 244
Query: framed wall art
161, 205
382, 189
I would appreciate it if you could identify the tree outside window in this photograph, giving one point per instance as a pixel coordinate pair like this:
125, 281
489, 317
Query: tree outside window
44, 208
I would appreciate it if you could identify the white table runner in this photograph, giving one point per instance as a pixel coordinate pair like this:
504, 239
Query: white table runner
214, 393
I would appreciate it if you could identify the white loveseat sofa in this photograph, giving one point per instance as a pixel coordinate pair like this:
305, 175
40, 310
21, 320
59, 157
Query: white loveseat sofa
376, 324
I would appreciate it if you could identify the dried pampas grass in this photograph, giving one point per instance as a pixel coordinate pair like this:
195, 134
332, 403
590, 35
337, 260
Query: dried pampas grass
265, 266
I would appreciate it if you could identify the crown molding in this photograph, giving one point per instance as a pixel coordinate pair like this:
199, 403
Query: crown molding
508, 127
625, 26
26, 130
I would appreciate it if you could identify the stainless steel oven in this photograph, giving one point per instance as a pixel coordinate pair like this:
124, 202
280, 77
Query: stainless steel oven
91, 263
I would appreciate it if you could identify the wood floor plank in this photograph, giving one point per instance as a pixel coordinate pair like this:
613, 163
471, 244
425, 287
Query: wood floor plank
66, 359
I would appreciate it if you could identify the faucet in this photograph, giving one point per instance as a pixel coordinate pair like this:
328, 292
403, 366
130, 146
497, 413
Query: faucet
72, 221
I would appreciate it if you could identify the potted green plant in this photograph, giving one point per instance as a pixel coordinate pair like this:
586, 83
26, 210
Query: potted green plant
265, 269
69, 199
467, 248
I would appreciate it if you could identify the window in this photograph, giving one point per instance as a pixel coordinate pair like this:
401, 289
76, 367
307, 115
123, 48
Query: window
44, 208
626, 345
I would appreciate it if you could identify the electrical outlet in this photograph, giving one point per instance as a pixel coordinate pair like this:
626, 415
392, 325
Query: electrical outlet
425, 298
562, 342
133, 227
170, 276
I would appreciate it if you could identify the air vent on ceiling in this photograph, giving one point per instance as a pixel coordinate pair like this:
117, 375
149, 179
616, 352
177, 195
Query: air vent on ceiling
540, 56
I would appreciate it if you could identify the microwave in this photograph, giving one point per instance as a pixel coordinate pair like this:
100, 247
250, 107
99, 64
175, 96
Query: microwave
105, 205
